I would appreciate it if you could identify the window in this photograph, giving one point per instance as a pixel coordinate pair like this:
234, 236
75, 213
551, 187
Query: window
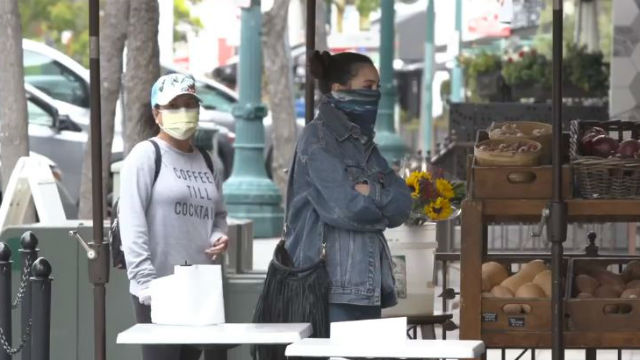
214, 99
54, 79
38, 115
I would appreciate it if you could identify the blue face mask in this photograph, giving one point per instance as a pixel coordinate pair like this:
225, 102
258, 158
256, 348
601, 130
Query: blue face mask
360, 106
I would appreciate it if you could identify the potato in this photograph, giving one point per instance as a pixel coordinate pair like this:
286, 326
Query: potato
584, 295
607, 292
494, 272
543, 279
530, 290
634, 284
512, 309
631, 294
609, 278
514, 282
502, 292
631, 271
610, 309
586, 284
526, 308
532, 268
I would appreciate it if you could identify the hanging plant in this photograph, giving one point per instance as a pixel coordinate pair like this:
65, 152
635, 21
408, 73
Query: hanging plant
586, 71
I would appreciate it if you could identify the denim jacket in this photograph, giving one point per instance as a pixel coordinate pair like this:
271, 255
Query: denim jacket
323, 204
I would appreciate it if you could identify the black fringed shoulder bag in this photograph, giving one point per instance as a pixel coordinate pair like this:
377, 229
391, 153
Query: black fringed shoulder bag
293, 295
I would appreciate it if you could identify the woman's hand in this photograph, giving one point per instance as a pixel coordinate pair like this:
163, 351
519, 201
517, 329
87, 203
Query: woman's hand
219, 246
363, 188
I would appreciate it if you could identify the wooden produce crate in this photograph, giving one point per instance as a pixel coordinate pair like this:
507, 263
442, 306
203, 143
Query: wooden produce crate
516, 182
600, 314
515, 314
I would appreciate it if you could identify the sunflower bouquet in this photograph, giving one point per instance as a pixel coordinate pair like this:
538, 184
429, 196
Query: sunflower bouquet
434, 197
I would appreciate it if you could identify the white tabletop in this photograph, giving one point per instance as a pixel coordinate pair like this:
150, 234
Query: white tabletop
215, 334
444, 349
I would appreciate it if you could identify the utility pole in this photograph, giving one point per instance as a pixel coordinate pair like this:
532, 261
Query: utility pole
249, 193
390, 144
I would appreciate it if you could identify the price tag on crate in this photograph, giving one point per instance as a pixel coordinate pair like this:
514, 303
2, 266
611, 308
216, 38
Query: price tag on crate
489, 317
516, 322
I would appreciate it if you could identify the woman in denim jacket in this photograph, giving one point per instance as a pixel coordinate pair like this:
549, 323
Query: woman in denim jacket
342, 191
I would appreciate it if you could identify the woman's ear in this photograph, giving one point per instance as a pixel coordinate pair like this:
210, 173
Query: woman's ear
339, 87
157, 116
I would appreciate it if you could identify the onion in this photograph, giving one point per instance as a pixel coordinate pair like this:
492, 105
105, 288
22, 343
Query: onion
604, 146
628, 148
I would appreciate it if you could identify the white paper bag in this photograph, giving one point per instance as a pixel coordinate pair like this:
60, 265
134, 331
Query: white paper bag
391, 330
191, 296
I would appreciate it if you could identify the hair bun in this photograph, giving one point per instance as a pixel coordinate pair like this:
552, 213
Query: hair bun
319, 64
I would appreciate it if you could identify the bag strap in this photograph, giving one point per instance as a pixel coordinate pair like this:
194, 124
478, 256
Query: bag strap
287, 204
158, 160
207, 160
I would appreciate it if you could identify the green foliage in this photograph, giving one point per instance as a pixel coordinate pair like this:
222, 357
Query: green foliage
182, 16
46, 20
585, 70
529, 68
366, 7
482, 63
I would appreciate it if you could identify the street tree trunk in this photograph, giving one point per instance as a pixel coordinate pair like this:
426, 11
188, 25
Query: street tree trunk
14, 137
277, 64
113, 35
143, 69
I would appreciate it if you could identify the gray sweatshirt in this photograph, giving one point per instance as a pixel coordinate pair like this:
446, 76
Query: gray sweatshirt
171, 222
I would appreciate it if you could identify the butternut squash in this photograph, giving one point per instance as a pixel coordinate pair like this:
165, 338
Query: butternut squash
494, 272
530, 290
502, 292
532, 268
514, 282
543, 279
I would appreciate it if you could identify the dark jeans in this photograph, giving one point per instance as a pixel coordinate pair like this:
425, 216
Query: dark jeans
171, 352
349, 312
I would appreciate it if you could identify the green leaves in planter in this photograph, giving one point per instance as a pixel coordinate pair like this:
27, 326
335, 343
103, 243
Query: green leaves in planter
587, 71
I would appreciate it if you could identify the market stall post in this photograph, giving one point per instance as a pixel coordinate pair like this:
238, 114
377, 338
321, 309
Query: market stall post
249, 193
98, 249
390, 144
557, 220
309, 88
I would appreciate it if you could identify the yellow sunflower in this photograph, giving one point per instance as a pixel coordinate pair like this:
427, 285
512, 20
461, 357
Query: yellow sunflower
438, 210
413, 182
445, 188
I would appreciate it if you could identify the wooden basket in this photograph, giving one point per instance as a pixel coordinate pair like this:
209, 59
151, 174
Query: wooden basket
496, 319
527, 128
589, 314
599, 178
511, 158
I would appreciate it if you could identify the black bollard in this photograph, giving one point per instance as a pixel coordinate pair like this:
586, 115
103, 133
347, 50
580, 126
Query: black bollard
40, 309
29, 251
5, 301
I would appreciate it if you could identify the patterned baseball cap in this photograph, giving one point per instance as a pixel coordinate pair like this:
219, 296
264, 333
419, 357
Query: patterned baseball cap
168, 87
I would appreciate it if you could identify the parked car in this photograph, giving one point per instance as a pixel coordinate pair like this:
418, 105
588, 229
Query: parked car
60, 140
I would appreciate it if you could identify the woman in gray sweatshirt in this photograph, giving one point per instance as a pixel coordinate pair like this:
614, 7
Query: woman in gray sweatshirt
173, 213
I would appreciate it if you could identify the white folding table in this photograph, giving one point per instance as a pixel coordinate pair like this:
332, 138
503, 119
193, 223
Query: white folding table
222, 336
408, 349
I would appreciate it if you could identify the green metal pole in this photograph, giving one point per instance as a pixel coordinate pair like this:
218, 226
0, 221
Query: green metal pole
390, 144
427, 81
249, 193
456, 73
